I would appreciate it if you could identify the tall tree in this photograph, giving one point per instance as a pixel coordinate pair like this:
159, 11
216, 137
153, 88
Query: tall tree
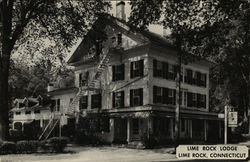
230, 49
23, 21
189, 22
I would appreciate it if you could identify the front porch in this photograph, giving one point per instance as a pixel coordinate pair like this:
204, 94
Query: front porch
161, 130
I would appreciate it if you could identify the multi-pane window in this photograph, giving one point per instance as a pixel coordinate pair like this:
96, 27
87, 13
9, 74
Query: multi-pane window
136, 68
83, 78
84, 102
196, 100
118, 99
203, 80
188, 76
160, 69
136, 97
201, 101
163, 95
160, 95
118, 72
96, 101
171, 96
171, 72
18, 113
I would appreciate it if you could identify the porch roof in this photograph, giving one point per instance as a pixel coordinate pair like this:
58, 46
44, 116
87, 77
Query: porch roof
153, 110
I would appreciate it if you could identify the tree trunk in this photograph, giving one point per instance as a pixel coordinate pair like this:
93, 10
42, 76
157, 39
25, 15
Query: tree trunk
4, 94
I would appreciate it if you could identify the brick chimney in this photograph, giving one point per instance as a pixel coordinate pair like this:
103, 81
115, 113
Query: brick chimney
120, 11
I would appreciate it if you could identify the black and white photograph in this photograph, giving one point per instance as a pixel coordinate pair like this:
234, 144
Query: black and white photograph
124, 80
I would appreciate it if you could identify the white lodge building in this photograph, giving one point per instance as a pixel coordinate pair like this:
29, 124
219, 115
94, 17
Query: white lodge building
130, 86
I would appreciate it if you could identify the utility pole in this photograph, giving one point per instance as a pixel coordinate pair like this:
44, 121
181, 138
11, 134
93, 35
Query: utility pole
178, 93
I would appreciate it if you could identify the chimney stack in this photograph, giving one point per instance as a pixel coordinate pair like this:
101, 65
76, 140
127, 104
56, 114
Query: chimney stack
120, 11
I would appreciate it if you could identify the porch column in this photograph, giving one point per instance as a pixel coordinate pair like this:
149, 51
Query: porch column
172, 128
41, 123
205, 130
128, 129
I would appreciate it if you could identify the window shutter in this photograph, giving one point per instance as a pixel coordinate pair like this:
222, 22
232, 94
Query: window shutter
131, 70
205, 101
80, 79
141, 96
174, 102
189, 99
167, 98
87, 101
113, 73
154, 94
205, 83
155, 68
191, 77
122, 100
141, 67
164, 96
131, 98
113, 99
123, 71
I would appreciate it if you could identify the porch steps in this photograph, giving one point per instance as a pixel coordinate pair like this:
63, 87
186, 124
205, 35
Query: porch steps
136, 145
48, 129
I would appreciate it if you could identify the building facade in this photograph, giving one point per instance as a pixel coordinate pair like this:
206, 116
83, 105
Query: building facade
29, 109
130, 87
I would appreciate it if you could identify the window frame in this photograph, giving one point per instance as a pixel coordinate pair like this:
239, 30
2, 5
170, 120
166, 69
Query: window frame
118, 101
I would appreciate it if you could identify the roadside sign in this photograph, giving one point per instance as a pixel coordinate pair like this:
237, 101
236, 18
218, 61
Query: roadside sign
232, 119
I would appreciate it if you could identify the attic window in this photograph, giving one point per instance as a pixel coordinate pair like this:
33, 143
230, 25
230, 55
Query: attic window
119, 39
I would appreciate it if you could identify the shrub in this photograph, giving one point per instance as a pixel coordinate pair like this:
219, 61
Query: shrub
8, 148
16, 135
58, 144
27, 146
149, 141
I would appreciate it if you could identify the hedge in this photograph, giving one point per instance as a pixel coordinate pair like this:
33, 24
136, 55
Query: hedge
58, 144
27, 146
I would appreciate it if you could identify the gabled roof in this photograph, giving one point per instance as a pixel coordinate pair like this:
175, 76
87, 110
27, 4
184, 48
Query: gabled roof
87, 42
145, 37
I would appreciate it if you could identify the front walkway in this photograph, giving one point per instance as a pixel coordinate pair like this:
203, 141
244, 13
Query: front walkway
96, 154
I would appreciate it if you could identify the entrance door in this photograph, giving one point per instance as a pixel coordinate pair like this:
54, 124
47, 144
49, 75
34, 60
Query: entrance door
198, 130
135, 129
120, 132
